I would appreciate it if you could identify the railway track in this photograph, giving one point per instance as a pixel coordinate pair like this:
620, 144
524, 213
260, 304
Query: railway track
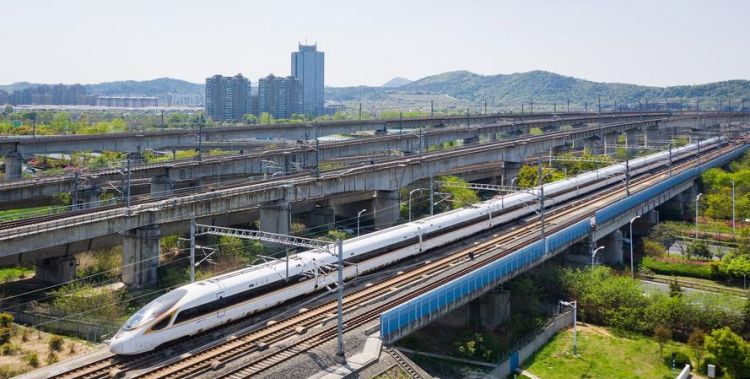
259, 340
216, 357
404, 364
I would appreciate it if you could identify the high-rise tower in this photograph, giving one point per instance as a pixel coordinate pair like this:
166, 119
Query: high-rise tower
308, 67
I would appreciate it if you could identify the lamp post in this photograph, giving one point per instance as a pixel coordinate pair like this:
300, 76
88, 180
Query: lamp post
410, 193
632, 266
593, 254
573, 304
697, 198
359, 214
512, 181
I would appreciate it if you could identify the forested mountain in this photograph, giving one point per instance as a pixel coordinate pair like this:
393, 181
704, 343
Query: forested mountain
546, 87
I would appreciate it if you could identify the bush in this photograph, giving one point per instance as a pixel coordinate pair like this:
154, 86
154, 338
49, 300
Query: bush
32, 359
51, 358
10, 349
653, 248
680, 360
685, 268
5, 334
8, 371
55, 343
6, 319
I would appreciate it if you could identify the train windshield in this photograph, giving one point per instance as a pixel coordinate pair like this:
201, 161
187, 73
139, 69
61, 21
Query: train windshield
154, 309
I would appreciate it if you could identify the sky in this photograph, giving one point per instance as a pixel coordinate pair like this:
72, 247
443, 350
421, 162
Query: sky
649, 42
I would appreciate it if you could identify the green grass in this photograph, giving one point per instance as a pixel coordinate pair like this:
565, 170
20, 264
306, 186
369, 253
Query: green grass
8, 274
21, 213
602, 356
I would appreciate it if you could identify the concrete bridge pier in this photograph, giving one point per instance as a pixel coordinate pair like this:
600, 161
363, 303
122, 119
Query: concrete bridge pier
484, 313
631, 137
88, 197
276, 218
643, 224
386, 207
651, 134
612, 252
162, 185
13, 165
56, 270
140, 255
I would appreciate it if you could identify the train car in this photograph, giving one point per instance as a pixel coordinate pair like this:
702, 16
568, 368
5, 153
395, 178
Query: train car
206, 304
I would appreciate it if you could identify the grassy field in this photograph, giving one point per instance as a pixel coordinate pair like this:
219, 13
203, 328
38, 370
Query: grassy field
9, 274
602, 355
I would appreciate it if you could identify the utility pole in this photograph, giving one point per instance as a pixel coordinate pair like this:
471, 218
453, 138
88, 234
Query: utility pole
340, 356
128, 188
521, 112
627, 177
468, 127
541, 200
360, 111
554, 107
162, 119
316, 172
432, 108
192, 249
75, 190
485, 107
599, 117
585, 107
568, 104
432, 197
531, 105
670, 159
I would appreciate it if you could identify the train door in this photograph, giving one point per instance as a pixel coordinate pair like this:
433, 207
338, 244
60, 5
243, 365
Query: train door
220, 299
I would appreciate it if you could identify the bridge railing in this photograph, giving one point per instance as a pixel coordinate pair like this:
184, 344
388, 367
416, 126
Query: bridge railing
410, 315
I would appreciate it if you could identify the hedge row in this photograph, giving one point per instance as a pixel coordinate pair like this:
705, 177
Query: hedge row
703, 271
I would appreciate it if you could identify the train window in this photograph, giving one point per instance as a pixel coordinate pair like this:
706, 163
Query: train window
161, 324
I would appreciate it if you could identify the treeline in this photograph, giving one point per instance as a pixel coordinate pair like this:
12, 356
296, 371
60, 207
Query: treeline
718, 186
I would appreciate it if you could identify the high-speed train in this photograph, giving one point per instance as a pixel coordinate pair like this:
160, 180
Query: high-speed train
206, 304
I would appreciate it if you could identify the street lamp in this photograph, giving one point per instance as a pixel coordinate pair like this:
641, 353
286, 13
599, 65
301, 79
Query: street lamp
697, 198
573, 304
410, 193
632, 267
593, 254
359, 214
513, 181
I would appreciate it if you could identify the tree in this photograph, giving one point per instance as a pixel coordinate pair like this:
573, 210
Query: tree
460, 196
746, 319
731, 351
698, 249
653, 248
265, 118
695, 341
662, 335
8, 109
250, 118
739, 267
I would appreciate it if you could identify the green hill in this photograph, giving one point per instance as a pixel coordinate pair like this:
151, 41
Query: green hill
546, 87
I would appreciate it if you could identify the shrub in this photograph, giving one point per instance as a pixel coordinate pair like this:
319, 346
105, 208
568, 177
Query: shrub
32, 359
677, 268
653, 248
10, 349
8, 371
5, 334
6, 319
56, 343
51, 358
680, 359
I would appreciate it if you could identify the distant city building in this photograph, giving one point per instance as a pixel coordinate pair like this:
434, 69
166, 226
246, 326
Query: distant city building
281, 97
3, 97
127, 101
227, 98
59, 94
308, 67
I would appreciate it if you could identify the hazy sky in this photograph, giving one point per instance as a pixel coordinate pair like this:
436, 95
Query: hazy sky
654, 42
